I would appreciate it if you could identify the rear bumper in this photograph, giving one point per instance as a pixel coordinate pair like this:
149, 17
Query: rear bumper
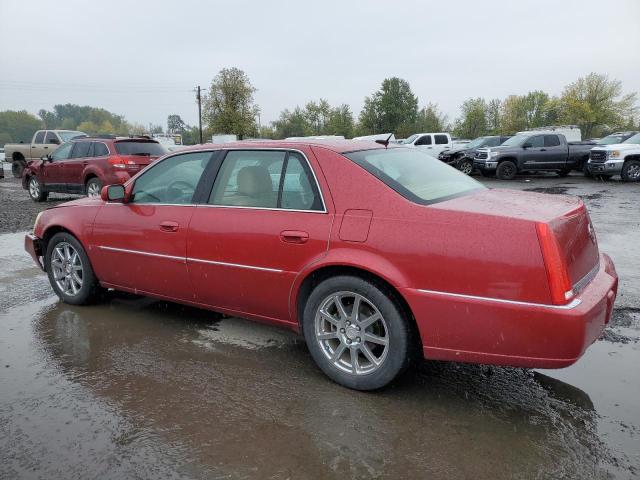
33, 245
482, 330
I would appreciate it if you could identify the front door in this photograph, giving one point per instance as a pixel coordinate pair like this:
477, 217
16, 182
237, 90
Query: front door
534, 155
264, 220
141, 245
556, 153
52, 171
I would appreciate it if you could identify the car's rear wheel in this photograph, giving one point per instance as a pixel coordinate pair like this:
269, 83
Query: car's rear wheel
93, 187
36, 191
356, 333
466, 167
631, 171
17, 166
506, 170
69, 270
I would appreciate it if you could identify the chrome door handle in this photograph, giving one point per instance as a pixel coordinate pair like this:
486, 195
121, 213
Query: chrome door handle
294, 236
169, 226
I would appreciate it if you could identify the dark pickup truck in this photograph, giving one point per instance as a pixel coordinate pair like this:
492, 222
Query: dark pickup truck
533, 152
462, 157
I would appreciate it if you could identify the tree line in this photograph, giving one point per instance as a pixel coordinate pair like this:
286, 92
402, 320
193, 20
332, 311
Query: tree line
596, 103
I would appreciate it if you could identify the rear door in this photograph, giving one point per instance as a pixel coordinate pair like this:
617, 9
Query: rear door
556, 152
441, 142
75, 165
141, 245
264, 220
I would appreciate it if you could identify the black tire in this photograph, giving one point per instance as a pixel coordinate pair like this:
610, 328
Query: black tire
631, 171
89, 289
34, 187
398, 332
17, 166
564, 173
585, 170
93, 185
506, 170
466, 166
488, 173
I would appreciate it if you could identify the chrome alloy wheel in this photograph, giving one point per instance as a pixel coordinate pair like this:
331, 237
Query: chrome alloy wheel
352, 333
467, 168
93, 190
67, 270
34, 188
634, 172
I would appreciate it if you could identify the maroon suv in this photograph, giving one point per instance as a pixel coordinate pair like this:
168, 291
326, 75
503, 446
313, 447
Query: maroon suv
84, 165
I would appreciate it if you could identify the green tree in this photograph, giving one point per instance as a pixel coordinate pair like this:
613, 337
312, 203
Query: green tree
369, 120
292, 124
473, 122
340, 122
430, 119
175, 124
317, 115
229, 106
494, 116
393, 109
596, 101
16, 126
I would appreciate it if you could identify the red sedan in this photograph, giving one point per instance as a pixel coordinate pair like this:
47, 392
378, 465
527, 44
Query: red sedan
377, 255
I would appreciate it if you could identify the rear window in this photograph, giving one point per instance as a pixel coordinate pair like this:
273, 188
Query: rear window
153, 149
415, 175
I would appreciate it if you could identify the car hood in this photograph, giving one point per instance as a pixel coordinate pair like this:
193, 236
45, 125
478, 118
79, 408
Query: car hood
531, 206
618, 146
80, 202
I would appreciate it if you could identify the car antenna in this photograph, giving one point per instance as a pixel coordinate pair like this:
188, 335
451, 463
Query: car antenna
385, 142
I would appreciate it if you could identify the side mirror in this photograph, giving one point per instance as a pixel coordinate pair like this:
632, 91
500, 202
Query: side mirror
55, 141
45, 158
526, 145
113, 193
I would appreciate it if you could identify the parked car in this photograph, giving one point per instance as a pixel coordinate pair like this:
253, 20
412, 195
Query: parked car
532, 152
431, 143
85, 164
44, 142
378, 256
571, 132
617, 159
462, 157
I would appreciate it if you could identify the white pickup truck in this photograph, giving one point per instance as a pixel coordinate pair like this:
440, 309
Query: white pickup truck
44, 142
621, 159
431, 143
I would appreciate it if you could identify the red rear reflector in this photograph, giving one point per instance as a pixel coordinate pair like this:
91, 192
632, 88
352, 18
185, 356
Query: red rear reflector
557, 274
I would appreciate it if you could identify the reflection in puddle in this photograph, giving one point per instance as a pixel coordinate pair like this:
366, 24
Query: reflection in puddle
239, 409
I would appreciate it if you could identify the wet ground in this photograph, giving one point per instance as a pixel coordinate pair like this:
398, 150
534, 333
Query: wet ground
134, 388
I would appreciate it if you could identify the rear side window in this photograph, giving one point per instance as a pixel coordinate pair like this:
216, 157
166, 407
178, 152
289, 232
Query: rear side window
424, 140
551, 141
136, 147
172, 181
441, 139
298, 189
39, 137
415, 175
100, 149
80, 150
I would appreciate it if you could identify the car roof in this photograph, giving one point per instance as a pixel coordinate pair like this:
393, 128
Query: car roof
338, 146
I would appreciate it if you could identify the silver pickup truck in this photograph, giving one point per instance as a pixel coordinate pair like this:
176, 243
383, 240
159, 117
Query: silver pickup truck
44, 142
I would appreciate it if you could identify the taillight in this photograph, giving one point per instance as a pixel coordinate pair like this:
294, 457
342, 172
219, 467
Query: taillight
557, 274
122, 162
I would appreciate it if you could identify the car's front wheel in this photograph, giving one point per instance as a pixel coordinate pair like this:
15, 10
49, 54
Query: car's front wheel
36, 191
631, 171
94, 185
506, 170
466, 167
69, 270
356, 333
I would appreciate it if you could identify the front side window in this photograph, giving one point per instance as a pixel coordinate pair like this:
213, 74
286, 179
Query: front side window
39, 137
424, 140
62, 152
51, 138
80, 150
172, 181
551, 141
536, 142
441, 139
415, 175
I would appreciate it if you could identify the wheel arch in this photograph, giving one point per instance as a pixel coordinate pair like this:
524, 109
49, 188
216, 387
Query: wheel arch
17, 156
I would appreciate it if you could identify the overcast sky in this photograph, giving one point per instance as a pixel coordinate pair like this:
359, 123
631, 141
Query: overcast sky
142, 59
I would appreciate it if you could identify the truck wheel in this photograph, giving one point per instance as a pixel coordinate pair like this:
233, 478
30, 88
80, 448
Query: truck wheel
35, 190
17, 167
631, 171
506, 170
466, 167
93, 188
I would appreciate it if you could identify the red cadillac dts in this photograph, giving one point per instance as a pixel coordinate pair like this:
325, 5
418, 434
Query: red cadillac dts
377, 255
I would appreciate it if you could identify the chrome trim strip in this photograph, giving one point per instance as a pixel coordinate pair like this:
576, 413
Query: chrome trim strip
574, 303
237, 265
148, 254
186, 259
584, 281
206, 205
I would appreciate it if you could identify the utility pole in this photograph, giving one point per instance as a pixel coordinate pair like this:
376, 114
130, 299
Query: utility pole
199, 98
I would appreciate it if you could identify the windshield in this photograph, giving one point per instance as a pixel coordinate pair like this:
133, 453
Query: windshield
634, 139
410, 139
613, 138
66, 136
137, 147
415, 175
515, 141
478, 142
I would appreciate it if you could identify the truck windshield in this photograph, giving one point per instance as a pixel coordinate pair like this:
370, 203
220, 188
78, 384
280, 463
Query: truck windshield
478, 142
515, 141
66, 136
410, 139
612, 139
415, 175
635, 139
136, 147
